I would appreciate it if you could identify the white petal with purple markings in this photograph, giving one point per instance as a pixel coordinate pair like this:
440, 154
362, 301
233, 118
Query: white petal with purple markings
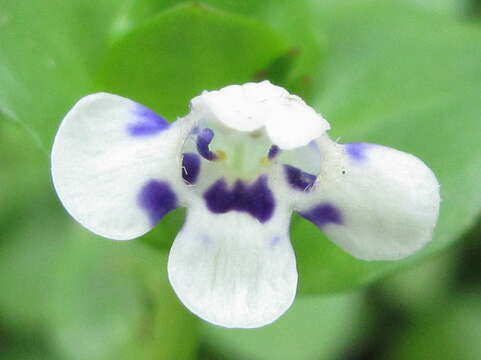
232, 270
116, 165
375, 202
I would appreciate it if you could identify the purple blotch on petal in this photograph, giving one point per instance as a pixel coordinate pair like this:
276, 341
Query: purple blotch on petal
275, 240
273, 151
204, 138
148, 122
190, 167
357, 151
323, 214
195, 130
298, 179
157, 199
255, 199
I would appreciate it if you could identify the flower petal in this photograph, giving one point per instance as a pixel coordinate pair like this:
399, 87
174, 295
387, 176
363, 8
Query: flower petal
116, 165
233, 270
287, 120
375, 202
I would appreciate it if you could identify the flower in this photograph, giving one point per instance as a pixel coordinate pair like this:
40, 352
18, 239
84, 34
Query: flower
241, 161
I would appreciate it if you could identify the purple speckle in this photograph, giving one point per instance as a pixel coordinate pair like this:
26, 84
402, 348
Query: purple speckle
195, 130
148, 122
357, 151
255, 199
275, 241
323, 214
298, 179
190, 167
273, 151
157, 199
204, 138
206, 241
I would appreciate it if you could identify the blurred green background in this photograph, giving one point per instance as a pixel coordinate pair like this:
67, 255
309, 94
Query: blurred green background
403, 73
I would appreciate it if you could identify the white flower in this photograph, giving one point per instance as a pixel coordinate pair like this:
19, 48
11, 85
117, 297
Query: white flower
241, 161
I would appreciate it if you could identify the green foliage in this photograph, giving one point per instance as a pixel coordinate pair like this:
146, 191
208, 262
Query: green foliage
450, 332
124, 306
409, 80
47, 55
332, 320
294, 19
181, 52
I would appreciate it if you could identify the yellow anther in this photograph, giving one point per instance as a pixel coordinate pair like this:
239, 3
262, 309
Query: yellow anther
265, 160
220, 155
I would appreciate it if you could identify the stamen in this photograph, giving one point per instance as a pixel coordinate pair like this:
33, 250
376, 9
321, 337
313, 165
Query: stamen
298, 179
190, 167
204, 138
220, 155
273, 152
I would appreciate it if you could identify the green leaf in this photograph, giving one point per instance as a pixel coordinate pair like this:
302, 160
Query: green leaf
181, 52
47, 54
25, 179
95, 306
112, 300
29, 255
410, 80
296, 20
425, 285
314, 328
444, 7
451, 331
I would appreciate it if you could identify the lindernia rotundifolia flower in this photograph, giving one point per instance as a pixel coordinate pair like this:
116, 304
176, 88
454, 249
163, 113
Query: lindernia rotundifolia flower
242, 160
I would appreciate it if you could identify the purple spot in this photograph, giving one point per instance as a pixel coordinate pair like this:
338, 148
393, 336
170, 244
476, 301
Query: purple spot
323, 214
190, 167
298, 179
357, 151
204, 138
255, 199
275, 240
157, 199
273, 151
313, 145
206, 241
149, 123
195, 130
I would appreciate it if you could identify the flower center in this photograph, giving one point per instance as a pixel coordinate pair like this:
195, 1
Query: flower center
234, 155
215, 152
232, 170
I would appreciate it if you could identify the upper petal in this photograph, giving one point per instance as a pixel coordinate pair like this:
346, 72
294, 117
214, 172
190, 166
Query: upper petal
375, 202
116, 165
233, 270
288, 121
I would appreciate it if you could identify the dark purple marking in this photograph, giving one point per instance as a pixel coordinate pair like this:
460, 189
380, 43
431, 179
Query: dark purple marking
157, 199
190, 167
273, 151
298, 179
204, 138
357, 151
323, 214
255, 199
148, 122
